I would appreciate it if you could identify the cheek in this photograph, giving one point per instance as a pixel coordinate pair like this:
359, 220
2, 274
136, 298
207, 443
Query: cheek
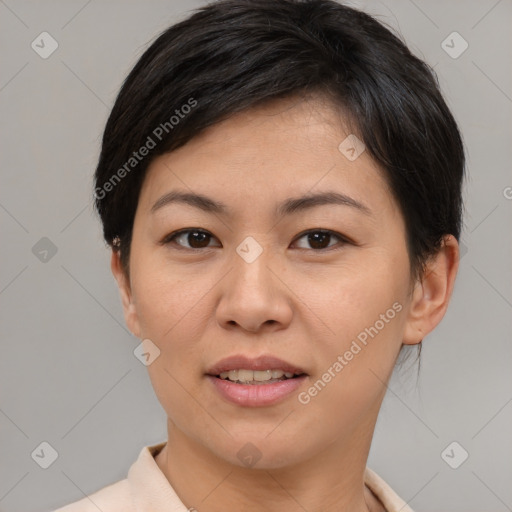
353, 365
365, 312
354, 298
171, 314
164, 300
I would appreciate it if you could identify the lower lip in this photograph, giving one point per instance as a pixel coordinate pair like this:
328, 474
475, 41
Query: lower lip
256, 395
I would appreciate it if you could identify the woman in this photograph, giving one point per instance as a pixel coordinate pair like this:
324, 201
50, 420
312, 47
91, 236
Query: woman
280, 184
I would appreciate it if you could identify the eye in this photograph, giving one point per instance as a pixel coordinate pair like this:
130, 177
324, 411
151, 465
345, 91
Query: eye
195, 238
320, 239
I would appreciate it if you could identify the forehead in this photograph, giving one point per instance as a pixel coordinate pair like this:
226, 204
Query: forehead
284, 148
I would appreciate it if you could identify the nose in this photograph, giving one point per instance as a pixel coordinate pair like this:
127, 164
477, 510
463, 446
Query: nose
254, 297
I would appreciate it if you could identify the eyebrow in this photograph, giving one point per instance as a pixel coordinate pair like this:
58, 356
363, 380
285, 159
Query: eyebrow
287, 207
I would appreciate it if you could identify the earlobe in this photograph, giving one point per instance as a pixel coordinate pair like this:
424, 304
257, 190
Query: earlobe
123, 283
432, 293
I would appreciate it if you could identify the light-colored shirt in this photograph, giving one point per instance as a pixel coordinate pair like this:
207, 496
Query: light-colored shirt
146, 489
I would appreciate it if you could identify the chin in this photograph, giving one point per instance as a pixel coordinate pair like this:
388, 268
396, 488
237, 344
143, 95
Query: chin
257, 452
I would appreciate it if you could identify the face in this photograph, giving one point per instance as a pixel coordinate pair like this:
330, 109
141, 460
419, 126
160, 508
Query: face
261, 272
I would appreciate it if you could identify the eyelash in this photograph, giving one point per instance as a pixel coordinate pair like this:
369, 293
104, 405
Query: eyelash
170, 239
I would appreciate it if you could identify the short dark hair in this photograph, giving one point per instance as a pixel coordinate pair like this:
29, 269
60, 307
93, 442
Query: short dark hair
231, 55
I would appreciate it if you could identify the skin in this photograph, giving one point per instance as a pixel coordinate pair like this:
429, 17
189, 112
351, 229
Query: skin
301, 302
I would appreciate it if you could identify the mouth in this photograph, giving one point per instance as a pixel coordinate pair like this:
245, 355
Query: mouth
257, 377
261, 370
255, 382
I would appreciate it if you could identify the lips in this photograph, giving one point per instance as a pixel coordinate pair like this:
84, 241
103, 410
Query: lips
261, 363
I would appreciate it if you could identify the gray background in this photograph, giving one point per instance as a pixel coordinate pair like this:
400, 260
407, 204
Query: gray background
68, 375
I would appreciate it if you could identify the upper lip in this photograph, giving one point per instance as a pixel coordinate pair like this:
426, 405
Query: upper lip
242, 362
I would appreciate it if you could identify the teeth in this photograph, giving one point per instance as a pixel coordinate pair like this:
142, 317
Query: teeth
245, 375
262, 375
256, 375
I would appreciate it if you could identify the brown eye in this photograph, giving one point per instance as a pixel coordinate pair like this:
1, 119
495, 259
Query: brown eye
190, 239
320, 239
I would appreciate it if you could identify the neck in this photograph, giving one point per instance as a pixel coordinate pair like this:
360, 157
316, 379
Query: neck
331, 481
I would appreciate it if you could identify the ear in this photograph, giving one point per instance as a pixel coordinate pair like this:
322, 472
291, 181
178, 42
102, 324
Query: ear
432, 292
123, 283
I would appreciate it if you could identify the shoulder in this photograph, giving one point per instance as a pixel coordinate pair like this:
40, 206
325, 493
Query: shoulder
112, 498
